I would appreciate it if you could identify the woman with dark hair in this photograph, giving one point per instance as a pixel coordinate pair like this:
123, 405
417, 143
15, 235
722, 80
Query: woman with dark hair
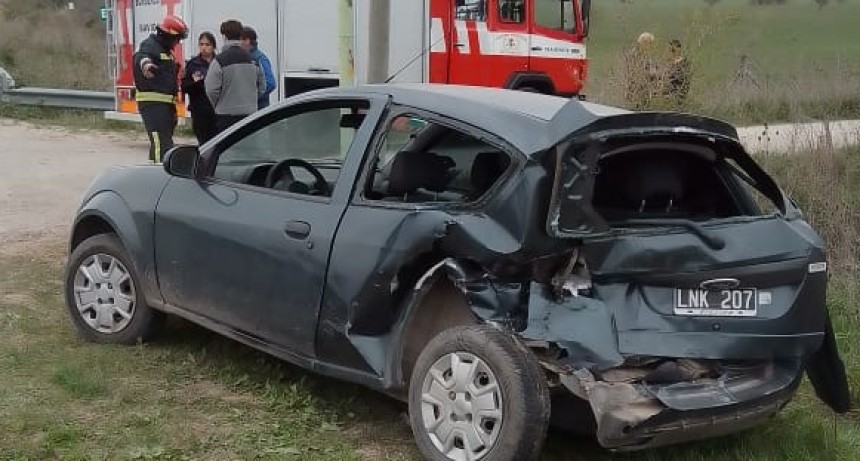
202, 113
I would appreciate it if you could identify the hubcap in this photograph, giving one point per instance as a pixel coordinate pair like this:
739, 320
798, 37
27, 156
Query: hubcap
104, 294
461, 406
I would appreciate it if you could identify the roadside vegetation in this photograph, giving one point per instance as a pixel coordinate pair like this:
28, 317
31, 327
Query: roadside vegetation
752, 62
43, 44
71, 118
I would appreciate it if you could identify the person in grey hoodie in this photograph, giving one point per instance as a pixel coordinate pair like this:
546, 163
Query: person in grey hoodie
234, 81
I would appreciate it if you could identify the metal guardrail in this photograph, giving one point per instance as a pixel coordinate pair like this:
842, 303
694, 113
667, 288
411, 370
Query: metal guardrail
78, 99
6, 80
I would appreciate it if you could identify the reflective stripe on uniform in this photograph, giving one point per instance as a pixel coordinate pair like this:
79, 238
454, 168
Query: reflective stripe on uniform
151, 96
156, 142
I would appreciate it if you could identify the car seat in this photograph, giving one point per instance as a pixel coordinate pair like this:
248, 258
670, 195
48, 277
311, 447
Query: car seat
415, 176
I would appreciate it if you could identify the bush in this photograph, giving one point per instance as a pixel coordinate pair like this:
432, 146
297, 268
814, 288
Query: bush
41, 45
826, 185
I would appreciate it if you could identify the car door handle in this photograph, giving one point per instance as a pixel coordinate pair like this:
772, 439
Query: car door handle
297, 229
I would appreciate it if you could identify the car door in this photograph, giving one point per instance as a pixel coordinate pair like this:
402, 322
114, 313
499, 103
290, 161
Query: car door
425, 173
252, 257
466, 64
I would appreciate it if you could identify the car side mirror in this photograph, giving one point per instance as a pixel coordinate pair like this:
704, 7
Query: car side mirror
182, 161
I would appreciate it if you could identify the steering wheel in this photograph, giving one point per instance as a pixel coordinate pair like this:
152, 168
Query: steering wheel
282, 170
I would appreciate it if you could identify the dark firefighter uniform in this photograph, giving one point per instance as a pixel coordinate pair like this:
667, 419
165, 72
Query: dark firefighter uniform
156, 96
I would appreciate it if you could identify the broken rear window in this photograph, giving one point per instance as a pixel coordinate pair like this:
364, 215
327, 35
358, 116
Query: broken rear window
657, 181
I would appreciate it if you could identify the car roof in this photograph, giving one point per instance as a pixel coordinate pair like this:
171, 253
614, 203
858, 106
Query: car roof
530, 122
521, 118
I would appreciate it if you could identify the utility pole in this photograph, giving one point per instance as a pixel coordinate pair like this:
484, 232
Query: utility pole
377, 53
346, 66
346, 33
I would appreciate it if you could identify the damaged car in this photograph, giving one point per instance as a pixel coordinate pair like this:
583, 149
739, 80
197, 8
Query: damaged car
499, 260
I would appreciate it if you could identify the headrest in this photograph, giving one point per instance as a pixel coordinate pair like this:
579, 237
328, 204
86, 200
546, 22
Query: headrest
411, 170
656, 183
487, 168
353, 121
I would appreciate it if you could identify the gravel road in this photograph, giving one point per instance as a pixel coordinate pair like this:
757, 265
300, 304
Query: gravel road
45, 173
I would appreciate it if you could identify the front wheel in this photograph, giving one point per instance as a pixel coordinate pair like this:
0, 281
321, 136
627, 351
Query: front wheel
103, 294
476, 395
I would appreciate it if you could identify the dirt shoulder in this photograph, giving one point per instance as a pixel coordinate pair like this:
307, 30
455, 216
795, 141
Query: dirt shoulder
46, 171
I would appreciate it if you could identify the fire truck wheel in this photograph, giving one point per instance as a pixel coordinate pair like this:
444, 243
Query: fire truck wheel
529, 89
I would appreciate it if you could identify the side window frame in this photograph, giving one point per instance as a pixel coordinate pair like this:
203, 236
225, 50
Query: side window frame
365, 175
743, 189
505, 20
245, 128
575, 17
485, 13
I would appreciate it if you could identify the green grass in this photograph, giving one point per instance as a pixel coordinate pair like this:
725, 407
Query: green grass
800, 55
77, 118
194, 395
780, 40
189, 395
74, 118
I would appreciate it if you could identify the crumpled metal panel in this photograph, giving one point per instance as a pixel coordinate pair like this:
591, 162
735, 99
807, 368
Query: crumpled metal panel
580, 325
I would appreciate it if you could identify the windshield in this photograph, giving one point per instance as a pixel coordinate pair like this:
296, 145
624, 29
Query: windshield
556, 14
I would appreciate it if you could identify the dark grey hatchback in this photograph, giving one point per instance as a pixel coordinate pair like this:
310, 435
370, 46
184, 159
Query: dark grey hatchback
485, 255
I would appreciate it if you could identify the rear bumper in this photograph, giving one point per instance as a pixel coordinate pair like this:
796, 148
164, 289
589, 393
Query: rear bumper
635, 416
673, 426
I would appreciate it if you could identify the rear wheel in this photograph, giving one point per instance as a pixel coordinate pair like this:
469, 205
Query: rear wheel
103, 294
476, 395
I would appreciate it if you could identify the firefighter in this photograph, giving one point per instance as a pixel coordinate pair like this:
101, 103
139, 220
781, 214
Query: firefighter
156, 81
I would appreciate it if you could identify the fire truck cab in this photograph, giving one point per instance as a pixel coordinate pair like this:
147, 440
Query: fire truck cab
534, 45
531, 45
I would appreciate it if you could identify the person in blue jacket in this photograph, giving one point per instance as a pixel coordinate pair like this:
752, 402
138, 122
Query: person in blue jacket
249, 42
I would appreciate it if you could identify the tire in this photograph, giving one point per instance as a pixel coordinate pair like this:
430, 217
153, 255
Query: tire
512, 416
107, 305
529, 89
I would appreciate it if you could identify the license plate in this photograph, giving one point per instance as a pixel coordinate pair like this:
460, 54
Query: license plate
741, 302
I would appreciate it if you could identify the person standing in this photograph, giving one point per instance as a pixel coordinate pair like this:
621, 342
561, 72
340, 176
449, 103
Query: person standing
678, 76
640, 74
202, 112
156, 81
249, 43
233, 83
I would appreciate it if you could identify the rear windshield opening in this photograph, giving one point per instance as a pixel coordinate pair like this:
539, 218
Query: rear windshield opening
665, 183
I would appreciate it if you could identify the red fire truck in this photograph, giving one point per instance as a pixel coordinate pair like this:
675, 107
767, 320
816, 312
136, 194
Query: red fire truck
533, 45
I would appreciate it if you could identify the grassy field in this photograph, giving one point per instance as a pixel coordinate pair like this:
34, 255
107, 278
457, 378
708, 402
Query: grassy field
801, 57
194, 395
